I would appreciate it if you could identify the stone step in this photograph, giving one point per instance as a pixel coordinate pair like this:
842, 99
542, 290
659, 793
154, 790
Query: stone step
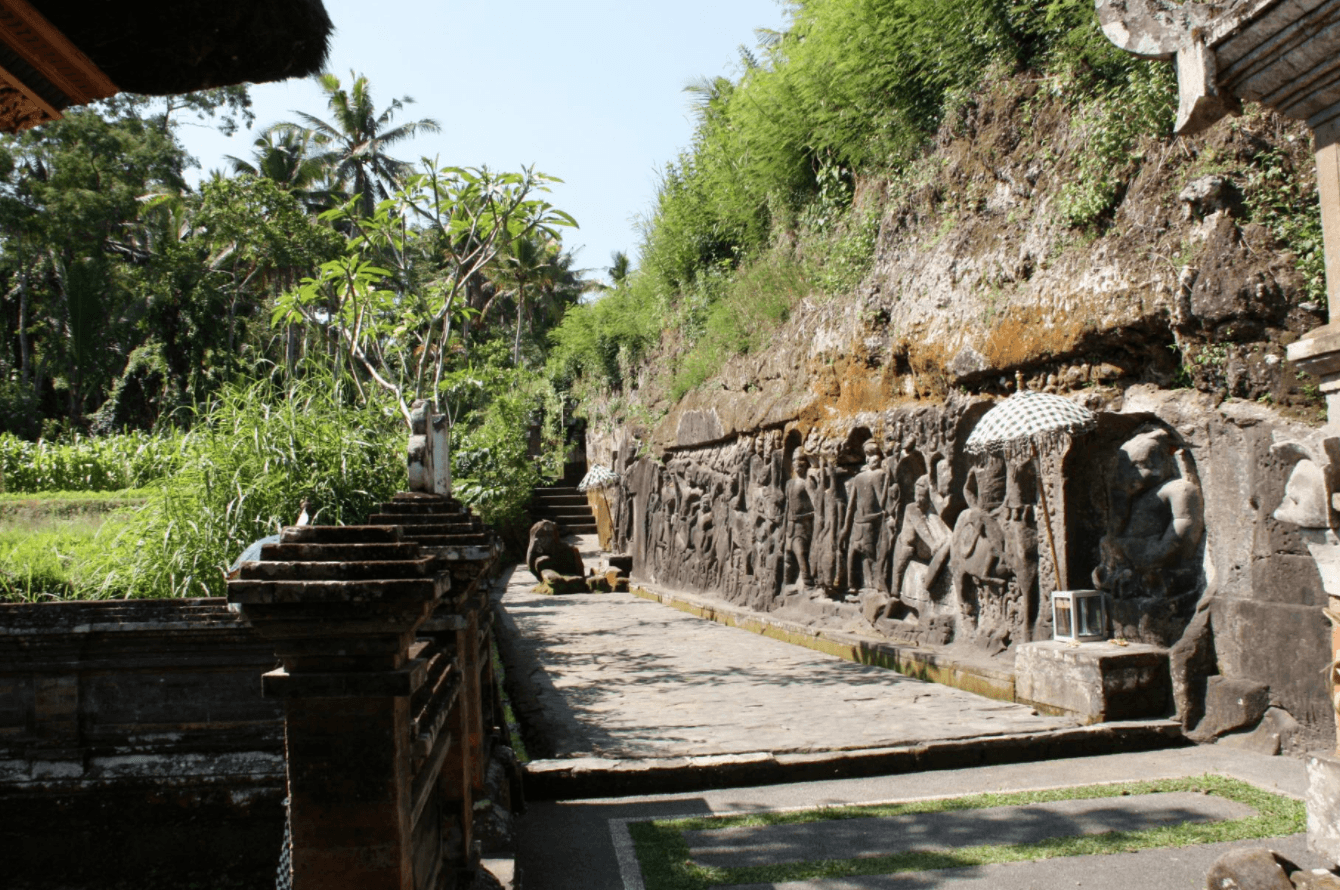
339, 534
413, 502
414, 519
355, 552
340, 570
478, 539
368, 591
574, 498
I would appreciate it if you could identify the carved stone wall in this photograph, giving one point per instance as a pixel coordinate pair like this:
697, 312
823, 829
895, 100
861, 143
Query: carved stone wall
882, 523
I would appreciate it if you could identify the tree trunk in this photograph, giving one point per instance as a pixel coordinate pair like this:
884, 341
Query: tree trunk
25, 351
520, 307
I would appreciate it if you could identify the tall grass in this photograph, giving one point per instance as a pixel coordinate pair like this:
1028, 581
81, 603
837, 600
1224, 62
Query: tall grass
111, 463
252, 457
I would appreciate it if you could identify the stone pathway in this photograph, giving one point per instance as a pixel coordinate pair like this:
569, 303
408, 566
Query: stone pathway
611, 675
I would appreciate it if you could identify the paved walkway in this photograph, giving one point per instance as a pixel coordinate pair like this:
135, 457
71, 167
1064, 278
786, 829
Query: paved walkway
616, 682
616, 676
583, 844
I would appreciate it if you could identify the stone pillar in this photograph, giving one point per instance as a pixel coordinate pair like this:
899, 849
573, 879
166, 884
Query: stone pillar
341, 606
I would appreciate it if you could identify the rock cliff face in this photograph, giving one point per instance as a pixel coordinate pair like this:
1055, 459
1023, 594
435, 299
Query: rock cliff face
826, 477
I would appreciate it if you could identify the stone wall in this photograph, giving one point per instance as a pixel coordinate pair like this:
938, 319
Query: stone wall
881, 522
139, 727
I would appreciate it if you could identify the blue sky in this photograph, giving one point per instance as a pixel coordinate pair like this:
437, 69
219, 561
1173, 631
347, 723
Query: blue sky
590, 92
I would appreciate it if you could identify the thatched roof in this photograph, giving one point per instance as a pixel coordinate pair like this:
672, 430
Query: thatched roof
176, 46
54, 53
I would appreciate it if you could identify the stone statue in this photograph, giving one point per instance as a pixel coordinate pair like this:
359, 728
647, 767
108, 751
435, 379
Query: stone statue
1148, 559
863, 518
800, 497
977, 550
1156, 521
547, 552
924, 537
1018, 519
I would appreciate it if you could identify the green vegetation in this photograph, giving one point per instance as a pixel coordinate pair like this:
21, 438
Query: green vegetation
769, 192
664, 855
233, 350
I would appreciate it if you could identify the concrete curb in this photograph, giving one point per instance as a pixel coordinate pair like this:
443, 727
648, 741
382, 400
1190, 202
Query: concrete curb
590, 777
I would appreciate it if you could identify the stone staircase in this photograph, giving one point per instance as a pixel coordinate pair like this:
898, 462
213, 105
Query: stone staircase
566, 507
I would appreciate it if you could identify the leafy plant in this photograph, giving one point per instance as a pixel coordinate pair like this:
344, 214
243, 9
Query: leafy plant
252, 457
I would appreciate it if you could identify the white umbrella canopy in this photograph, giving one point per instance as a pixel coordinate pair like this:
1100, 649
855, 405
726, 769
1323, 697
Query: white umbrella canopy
598, 477
1029, 421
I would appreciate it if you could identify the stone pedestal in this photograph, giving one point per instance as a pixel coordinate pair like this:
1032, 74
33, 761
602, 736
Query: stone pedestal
1323, 805
341, 606
1094, 682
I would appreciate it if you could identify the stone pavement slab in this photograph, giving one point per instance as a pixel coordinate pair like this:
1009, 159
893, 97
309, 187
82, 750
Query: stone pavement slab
1024, 824
612, 675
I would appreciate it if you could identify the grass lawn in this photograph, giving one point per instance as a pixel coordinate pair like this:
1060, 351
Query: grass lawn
666, 865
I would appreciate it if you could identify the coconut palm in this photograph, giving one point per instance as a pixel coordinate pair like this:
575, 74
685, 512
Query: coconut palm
352, 144
284, 154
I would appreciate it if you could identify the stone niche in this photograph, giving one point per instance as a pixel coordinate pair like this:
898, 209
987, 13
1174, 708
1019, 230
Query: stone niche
884, 525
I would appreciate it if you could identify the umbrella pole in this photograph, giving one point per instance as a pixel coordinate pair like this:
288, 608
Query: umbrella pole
1051, 544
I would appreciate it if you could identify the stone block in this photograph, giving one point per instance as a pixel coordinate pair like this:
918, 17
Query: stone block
1277, 733
1323, 805
1231, 704
1316, 879
1095, 682
1250, 868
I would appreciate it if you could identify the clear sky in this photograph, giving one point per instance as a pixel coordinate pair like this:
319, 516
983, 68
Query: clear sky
589, 91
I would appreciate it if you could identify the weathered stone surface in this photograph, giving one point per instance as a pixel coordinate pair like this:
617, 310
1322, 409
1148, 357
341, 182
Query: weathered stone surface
1253, 868
1323, 805
1232, 704
1317, 879
1277, 733
1169, 504
1094, 682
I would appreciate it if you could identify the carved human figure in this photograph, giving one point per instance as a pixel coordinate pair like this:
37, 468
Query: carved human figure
824, 562
546, 551
924, 537
977, 550
800, 498
1156, 521
863, 518
1018, 521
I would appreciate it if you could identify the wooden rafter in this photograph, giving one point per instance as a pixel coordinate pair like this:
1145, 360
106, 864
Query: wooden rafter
41, 71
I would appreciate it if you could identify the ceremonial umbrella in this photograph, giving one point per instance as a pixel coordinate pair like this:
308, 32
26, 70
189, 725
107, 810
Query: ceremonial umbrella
597, 478
1018, 427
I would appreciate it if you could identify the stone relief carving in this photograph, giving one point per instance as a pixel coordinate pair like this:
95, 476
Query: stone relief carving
1156, 524
893, 529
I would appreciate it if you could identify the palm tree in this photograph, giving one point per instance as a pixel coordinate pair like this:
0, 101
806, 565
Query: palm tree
352, 144
619, 267
284, 154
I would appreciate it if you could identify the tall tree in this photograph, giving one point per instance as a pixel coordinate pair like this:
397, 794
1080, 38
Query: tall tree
353, 143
